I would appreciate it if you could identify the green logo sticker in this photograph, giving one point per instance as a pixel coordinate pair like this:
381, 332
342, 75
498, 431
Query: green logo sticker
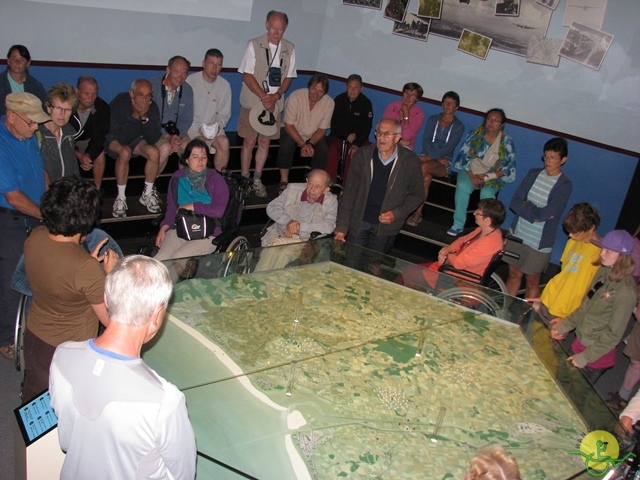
600, 451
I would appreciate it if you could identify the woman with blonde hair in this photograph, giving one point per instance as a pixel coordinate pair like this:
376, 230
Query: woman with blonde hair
493, 464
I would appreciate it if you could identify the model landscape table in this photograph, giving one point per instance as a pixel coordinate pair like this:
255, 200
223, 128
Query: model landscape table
323, 371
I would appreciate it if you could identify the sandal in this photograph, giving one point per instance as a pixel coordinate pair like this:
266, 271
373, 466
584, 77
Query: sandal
7, 351
282, 186
414, 219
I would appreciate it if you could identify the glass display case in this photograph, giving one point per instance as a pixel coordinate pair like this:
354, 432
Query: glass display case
323, 360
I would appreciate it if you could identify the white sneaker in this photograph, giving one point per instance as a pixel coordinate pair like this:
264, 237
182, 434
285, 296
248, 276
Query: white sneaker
120, 207
151, 202
154, 193
258, 188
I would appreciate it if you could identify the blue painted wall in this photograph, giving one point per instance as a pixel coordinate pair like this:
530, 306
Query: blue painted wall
600, 176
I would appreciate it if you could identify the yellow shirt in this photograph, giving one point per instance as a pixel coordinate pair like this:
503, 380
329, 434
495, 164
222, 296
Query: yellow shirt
565, 291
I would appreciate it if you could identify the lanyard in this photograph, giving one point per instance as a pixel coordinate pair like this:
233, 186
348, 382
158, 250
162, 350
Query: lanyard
163, 93
270, 62
435, 131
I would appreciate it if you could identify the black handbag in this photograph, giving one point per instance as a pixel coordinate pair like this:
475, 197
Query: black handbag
194, 226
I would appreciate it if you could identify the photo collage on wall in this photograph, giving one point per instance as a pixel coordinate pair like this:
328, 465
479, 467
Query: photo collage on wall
518, 27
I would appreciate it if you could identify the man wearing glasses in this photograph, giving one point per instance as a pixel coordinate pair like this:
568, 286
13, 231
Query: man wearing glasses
22, 183
384, 187
135, 127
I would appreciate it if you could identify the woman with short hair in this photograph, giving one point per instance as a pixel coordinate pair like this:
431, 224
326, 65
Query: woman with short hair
67, 281
16, 78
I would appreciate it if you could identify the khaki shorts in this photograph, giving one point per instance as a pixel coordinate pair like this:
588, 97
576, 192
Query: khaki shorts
161, 142
245, 130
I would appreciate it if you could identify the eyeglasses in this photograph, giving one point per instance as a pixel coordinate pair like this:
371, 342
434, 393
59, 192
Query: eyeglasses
147, 96
380, 133
595, 288
30, 123
60, 109
479, 212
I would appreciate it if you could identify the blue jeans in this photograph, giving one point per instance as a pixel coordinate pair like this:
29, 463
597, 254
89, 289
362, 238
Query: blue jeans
19, 281
368, 238
464, 189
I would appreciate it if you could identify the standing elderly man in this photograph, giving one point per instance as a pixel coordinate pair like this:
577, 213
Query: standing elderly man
307, 116
351, 122
134, 130
211, 105
268, 67
92, 115
117, 418
384, 186
175, 101
22, 183
57, 146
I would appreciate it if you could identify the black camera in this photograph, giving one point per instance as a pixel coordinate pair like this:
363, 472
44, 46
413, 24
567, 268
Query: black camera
275, 76
171, 128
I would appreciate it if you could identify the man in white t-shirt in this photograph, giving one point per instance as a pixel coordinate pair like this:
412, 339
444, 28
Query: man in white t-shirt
117, 418
268, 67
211, 106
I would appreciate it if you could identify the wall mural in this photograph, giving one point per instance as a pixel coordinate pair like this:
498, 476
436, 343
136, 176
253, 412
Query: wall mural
518, 27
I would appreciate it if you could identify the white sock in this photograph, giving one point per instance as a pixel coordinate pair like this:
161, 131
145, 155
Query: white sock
148, 188
121, 189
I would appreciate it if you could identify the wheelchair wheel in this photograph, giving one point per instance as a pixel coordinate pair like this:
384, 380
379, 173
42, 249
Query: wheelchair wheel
496, 283
470, 298
238, 243
238, 257
18, 336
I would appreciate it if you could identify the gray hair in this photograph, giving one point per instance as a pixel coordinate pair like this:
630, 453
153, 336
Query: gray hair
135, 287
139, 80
328, 180
397, 123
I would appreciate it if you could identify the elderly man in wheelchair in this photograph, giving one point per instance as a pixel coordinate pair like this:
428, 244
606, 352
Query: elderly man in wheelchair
302, 209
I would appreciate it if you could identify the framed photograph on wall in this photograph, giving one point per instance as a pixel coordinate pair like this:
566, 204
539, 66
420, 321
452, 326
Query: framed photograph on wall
586, 45
544, 51
585, 12
510, 8
375, 4
552, 4
396, 10
474, 44
412, 27
430, 9
509, 34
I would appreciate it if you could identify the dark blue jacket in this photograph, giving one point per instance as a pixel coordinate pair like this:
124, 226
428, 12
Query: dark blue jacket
551, 214
31, 85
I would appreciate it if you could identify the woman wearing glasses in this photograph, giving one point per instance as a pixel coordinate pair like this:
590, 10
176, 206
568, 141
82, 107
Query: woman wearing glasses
604, 313
57, 138
472, 252
486, 161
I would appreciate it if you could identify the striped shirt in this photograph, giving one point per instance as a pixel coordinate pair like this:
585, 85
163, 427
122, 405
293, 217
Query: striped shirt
531, 233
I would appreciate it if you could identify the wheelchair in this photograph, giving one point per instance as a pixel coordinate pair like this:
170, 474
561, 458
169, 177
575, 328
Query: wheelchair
483, 300
228, 240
